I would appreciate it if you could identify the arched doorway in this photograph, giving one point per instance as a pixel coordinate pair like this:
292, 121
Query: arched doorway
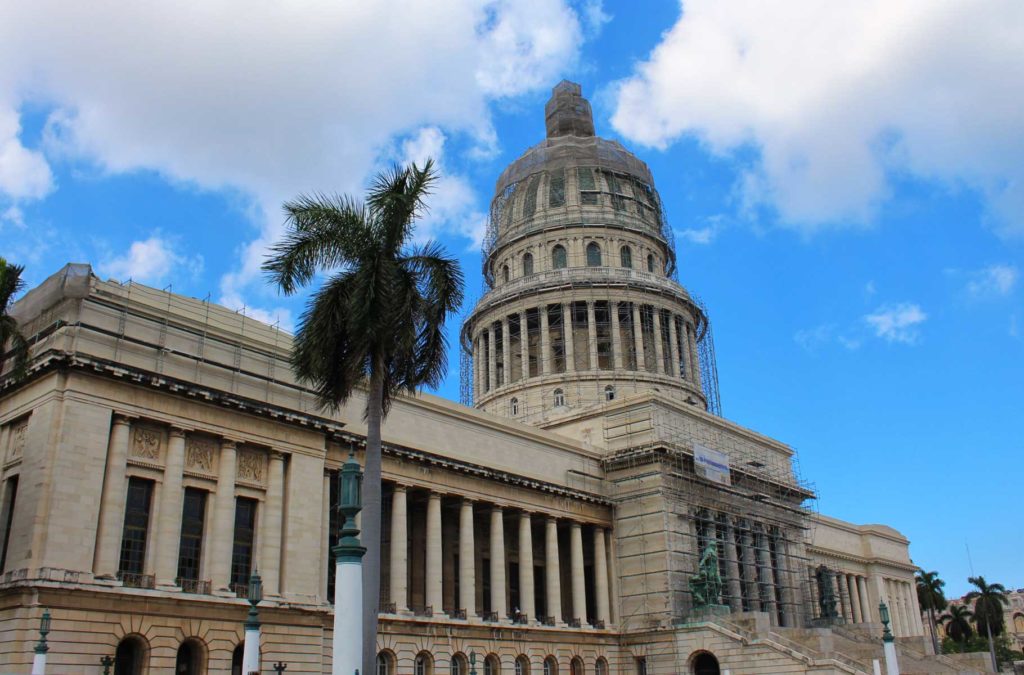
130, 657
236, 659
190, 658
705, 663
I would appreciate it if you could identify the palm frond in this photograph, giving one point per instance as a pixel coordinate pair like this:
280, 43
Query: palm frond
397, 199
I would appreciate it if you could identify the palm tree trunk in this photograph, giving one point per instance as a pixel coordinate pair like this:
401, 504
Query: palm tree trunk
931, 620
992, 648
371, 517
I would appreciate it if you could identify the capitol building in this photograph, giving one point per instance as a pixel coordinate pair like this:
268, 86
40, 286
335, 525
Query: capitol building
559, 520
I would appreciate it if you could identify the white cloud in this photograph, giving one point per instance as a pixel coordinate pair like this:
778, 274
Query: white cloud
992, 281
835, 97
703, 235
272, 100
24, 173
151, 261
897, 323
811, 339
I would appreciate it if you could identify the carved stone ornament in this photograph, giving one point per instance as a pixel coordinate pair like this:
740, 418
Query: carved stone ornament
199, 454
146, 443
18, 439
251, 465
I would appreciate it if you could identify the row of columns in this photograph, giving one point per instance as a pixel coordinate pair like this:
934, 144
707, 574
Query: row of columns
854, 601
399, 560
683, 361
904, 609
165, 537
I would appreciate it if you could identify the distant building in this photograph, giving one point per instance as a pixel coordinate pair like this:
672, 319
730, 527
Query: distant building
1013, 617
161, 449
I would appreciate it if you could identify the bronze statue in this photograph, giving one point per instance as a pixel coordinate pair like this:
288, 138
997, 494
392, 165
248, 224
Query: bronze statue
706, 585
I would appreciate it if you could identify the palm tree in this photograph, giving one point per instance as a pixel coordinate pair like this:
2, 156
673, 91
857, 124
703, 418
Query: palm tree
376, 322
931, 597
988, 611
11, 284
958, 624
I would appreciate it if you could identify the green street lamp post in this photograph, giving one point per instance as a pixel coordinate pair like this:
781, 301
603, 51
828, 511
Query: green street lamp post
39, 659
888, 642
107, 662
472, 663
348, 574
251, 651
280, 667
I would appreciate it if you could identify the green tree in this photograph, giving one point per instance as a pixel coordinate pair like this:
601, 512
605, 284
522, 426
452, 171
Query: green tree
11, 284
957, 621
377, 321
931, 598
989, 600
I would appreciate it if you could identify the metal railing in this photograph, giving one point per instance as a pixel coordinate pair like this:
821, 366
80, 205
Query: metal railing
458, 614
490, 616
520, 619
240, 590
197, 586
133, 580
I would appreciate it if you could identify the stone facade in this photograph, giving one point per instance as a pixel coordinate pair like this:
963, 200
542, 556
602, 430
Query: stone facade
160, 450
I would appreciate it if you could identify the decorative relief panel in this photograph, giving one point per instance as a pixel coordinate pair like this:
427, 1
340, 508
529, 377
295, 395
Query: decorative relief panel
199, 453
18, 433
251, 466
146, 442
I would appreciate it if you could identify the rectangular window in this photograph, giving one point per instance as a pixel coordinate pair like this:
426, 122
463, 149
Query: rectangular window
556, 188
10, 495
530, 201
136, 526
244, 538
190, 549
588, 187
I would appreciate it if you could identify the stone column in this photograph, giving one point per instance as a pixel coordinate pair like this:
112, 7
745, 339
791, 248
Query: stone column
433, 572
506, 351
570, 342
613, 309
326, 560
673, 339
476, 368
492, 360
467, 560
851, 588
862, 591
613, 577
686, 356
399, 552
498, 588
767, 574
733, 568
638, 338
601, 577
270, 532
659, 347
168, 536
526, 604
108, 538
749, 565
222, 534
552, 586
524, 346
545, 341
694, 358
579, 588
592, 334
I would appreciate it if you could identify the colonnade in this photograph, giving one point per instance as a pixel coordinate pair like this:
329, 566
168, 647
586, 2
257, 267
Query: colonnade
584, 335
855, 604
485, 561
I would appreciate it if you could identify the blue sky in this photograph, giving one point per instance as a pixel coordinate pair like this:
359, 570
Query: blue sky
846, 185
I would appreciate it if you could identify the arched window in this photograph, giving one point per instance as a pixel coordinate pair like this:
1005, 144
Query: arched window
513, 406
189, 660
650, 263
593, 254
492, 665
609, 393
458, 665
522, 665
527, 264
601, 667
576, 666
558, 257
130, 657
1018, 623
385, 663
505, 272
704, 663
424, 664
626, 257
550, 666
559, 398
